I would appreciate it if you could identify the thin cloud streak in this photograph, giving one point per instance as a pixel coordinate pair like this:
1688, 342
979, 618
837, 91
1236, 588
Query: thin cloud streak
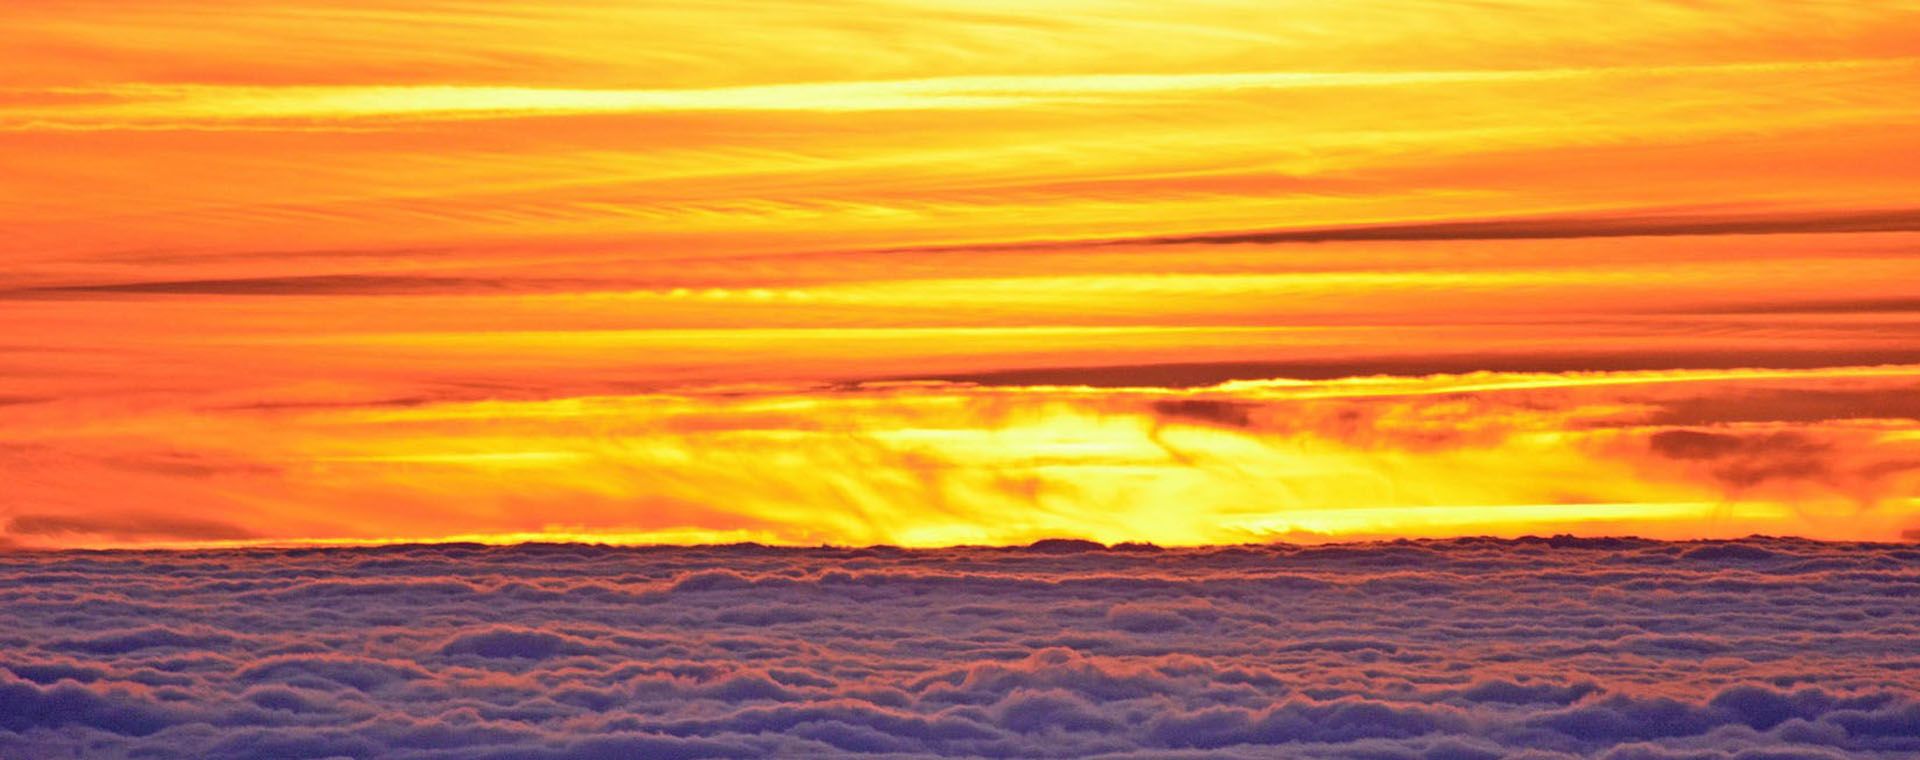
139, 105
1573, 228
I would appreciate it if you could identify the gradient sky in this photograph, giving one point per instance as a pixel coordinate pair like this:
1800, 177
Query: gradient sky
934, 273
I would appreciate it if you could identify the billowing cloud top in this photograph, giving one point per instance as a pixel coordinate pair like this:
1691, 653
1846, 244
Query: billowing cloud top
909, 272
1547, 649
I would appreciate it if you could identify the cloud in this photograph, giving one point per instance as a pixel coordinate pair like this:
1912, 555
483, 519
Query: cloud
1792, 405
30, 707
1206, 411
1543, 648
513, 643
1563, 228
330, 671
1743, 461
143, 639
1138, 618
126, 526
187, 106
346, 284
1202, 374
305, 285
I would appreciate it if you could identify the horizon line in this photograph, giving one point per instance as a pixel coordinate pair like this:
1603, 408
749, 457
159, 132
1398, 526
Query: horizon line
1050, 545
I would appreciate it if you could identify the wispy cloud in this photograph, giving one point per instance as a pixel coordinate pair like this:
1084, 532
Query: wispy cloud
148, 105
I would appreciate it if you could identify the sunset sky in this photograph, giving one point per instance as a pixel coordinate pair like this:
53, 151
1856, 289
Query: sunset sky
936, 273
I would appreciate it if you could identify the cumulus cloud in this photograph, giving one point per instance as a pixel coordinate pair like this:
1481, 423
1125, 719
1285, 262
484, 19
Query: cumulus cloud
1440, 650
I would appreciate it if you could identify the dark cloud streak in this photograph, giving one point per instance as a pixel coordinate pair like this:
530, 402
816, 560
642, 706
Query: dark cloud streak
1570, 227
1197, 374
126, 527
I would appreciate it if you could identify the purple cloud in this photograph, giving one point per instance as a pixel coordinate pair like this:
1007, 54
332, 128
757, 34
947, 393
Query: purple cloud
1441, 650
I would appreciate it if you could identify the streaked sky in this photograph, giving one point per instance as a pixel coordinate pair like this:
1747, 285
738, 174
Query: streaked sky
936, 273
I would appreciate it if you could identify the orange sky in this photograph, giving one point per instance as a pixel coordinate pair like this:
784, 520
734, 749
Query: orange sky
931, 273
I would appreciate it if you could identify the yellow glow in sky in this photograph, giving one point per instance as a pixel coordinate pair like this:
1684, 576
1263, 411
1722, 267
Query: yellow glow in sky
894, 271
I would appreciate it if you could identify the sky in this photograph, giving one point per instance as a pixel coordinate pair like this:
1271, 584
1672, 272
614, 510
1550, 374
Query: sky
917, 273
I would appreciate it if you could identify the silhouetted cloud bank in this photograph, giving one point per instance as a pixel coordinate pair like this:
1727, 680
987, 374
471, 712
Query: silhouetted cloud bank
1463, 649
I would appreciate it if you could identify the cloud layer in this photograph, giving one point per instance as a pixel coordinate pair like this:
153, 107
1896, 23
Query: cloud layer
1473, 648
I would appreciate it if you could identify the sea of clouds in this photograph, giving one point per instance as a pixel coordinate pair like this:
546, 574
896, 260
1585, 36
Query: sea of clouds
1471, 649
